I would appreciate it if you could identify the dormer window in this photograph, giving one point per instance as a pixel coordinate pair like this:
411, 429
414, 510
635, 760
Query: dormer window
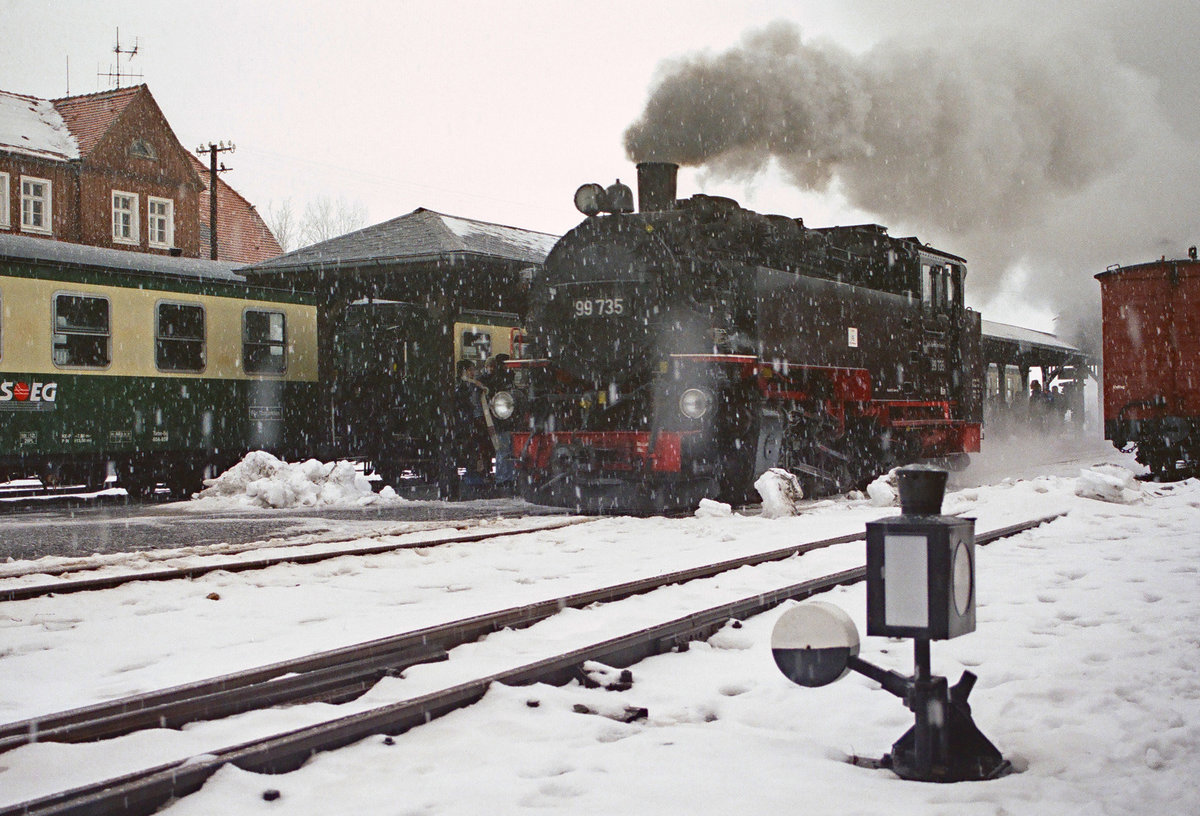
35, 205
160, 222
141, 149
124, 217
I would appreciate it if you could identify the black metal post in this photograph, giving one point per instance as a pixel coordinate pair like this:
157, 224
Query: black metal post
922, 736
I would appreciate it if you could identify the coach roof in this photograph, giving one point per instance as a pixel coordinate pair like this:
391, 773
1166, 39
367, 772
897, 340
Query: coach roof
26, 248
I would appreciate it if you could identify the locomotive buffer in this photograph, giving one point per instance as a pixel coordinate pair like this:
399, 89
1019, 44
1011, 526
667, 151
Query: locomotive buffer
920, 584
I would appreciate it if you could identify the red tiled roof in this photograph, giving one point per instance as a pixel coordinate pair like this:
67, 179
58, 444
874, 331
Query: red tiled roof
90, 116
242, 235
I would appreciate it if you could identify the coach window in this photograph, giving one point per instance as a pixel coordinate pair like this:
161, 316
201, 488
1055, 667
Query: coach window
36, 205
4, 219
82, 334
124, 217
179, 337
264, 342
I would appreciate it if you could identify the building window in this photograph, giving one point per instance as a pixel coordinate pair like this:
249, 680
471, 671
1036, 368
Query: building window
179, 337
35, 205
82, 334
264, 342
125, 217
160, 217
4, 220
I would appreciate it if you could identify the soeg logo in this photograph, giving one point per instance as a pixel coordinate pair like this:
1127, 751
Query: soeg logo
28, 392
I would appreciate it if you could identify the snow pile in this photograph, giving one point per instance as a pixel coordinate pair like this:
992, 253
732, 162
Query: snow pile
883, 492
781, 493
713, 509
1110, 483
262, 480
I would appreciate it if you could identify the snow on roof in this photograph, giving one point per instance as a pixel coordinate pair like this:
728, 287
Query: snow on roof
34, 127
1019, 334
419, 236
482, 233
26, 248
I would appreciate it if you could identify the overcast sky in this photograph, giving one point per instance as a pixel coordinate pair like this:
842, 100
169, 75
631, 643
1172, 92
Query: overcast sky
499, 110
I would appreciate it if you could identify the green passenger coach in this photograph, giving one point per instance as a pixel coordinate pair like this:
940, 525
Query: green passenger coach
160, 366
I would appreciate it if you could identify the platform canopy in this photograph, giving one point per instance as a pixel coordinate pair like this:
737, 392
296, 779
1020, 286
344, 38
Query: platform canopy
1005, 344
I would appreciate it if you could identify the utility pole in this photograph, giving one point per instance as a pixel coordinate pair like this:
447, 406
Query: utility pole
212, 150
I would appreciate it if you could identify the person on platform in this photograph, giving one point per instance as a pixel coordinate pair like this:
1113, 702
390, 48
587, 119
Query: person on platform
1038, 407
472, 446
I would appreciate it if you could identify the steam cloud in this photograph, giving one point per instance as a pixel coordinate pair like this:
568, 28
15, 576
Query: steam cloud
1008, 150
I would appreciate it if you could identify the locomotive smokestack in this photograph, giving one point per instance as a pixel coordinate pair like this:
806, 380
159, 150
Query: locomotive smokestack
656, 186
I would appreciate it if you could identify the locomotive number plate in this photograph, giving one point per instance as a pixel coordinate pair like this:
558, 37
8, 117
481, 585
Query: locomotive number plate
599, 307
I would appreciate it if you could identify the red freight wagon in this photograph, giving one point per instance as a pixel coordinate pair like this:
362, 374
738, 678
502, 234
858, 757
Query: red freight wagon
1152, 360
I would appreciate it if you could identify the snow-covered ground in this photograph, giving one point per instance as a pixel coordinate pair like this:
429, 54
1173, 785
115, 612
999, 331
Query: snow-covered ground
1086, 651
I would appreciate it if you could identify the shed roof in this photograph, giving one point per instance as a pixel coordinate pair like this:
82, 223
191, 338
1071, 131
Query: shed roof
420, 235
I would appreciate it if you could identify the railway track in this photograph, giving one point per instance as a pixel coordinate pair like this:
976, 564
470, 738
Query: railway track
345, 673
21, 593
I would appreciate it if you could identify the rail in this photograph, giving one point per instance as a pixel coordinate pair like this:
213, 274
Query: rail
144, 791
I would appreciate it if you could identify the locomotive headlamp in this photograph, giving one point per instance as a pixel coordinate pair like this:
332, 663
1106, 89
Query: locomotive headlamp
695, 402
590, 199
503, 405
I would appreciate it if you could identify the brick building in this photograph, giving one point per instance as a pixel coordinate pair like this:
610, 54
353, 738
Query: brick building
106, 170
242, 235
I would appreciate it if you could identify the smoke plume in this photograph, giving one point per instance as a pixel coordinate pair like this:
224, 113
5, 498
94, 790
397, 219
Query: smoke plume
1010, 150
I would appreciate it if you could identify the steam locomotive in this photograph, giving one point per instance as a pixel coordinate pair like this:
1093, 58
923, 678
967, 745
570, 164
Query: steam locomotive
678, 352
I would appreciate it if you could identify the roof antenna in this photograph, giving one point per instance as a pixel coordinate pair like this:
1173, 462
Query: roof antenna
116, 74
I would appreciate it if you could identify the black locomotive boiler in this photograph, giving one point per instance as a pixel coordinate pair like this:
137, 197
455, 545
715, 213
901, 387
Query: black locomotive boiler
680, 351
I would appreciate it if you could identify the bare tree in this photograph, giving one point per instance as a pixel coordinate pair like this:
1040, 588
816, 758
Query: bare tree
281, 220
325, 218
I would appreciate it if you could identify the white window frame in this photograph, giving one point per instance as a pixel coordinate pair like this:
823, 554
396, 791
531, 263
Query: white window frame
5, 198
118, 235
168, 219
47, 202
